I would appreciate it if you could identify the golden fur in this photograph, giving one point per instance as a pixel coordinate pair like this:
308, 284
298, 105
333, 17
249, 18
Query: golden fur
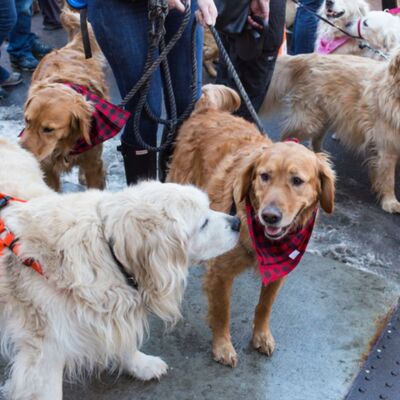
82, 316
358, 98
228, 157
56, 116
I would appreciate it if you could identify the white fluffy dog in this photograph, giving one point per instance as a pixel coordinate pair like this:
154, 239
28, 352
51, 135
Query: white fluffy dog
343, 13
380, 29
108, 259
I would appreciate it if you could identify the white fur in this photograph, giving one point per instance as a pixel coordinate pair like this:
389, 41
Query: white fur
81, 316
352, 10
380, 29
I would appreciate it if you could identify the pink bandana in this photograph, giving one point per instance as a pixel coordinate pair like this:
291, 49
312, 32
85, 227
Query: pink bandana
394, 11
277, 258
329, 46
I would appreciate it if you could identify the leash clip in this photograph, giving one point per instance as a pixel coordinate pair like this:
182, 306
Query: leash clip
4, 201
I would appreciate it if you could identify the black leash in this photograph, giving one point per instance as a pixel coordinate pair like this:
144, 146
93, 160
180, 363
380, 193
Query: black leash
158, 10
85, 33
236, 78
362, 42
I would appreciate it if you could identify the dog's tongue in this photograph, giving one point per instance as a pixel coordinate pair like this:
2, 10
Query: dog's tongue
272, 231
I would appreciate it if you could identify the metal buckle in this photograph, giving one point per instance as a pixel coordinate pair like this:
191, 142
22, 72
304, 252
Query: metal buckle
4, 201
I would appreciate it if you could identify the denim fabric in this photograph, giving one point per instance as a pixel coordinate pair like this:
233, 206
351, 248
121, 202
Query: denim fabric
121, 28
51, 12
8, 18
305, 27
21, 37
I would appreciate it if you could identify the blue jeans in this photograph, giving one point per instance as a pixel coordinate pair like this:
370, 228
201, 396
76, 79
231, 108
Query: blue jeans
21, 38
8, 18
305, 28
121, 28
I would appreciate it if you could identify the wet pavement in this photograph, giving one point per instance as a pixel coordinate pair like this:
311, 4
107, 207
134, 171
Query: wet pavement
323, 320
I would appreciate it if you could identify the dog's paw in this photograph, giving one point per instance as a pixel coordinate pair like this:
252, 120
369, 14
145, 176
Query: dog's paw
391, 205
264, 342
149, 367
224, 353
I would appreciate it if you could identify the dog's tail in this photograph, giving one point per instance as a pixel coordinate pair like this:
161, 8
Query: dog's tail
285, 76
217, 97
70, 21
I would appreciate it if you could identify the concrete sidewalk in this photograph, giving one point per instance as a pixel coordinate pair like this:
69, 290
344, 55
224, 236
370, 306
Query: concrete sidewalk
323, 322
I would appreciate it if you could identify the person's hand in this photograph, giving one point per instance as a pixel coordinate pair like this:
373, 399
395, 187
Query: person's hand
207, 12
258, 8
177, 4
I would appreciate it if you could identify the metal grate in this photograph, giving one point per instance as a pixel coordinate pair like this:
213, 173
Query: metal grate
379, 378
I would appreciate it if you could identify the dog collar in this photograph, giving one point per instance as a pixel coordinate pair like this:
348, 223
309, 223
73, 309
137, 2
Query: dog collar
359, 28
277, 258
10, 241
130, 279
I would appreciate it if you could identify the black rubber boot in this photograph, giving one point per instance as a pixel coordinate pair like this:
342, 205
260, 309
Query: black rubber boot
139, 164
164, 159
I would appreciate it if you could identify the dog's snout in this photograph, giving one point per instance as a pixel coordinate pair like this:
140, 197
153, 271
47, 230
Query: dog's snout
271, 215
235, 224
330, 3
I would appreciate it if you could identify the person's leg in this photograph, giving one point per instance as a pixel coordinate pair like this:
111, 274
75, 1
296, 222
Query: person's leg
8, 18
180, 61
21, 38
255, 74
121, 28
51, 14
304, 29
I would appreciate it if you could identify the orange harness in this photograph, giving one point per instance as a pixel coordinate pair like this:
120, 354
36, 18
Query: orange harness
8, 239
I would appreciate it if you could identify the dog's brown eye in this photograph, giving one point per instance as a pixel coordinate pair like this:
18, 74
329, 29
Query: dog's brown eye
46, 129
297, 181
265, 177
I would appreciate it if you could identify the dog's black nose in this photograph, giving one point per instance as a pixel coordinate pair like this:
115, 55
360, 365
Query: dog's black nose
271, 215
330, 3
235, 224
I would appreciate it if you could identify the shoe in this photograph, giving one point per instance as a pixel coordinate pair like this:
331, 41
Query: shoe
138, 164
26, 63
51, 27
40, 49
14, 79
3, 93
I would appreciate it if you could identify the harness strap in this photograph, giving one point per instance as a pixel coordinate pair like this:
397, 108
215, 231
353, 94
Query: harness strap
10, 241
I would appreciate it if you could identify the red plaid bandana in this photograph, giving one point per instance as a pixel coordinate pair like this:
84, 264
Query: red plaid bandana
277, 258
107, 120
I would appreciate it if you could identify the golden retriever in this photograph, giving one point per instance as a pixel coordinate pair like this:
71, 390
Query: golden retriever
228, 157
342, 13
358, 98
56, 116
82, 315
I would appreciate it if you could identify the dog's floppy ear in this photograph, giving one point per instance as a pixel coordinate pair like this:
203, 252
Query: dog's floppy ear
327, 180
245, 177
81, 116
155, 252
217, 97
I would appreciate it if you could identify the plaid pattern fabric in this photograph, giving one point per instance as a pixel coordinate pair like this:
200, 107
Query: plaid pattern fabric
107, 120
277, 258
